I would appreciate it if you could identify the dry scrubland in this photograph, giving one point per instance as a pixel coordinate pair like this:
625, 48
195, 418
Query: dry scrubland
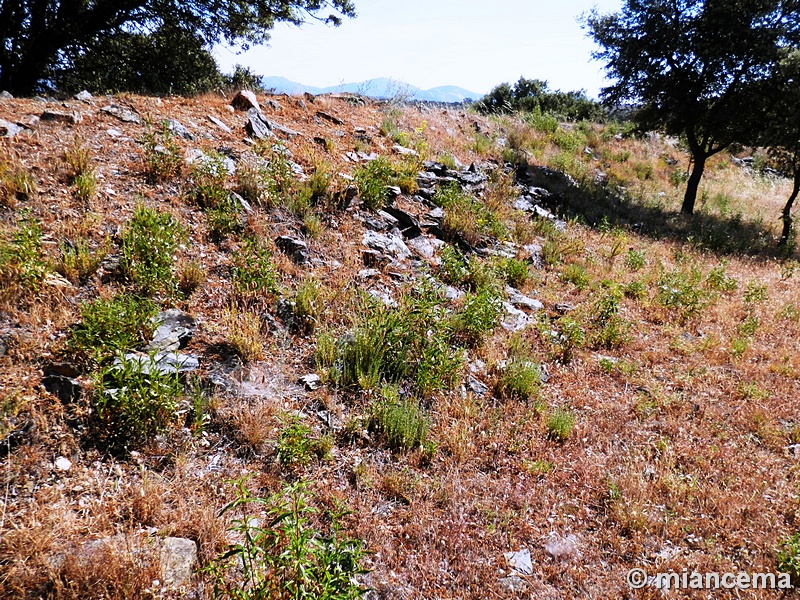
665, 435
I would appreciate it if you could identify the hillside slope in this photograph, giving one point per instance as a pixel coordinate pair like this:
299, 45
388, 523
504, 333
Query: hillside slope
521, 349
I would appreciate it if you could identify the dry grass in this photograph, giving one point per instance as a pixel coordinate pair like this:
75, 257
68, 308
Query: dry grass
683, 434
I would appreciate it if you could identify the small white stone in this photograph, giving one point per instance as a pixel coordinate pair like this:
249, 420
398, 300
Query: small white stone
63, 463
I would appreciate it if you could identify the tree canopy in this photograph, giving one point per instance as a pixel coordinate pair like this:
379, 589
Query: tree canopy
39, 36
696, 68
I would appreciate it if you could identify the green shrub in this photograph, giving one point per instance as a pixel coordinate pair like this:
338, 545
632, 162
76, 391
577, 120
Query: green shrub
372, 179
788, 558
224, 218
569, 337
306, 306
401, 421
110, 327
453, 266
515, 272
162, 156
560, 423
133, 401
576, 275
480, 314
682, 291
755, 293
287, 557
295, 446
149, 240
635, 259
635, 289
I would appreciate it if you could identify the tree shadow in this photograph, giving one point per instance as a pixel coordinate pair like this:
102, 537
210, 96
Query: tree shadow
597, 204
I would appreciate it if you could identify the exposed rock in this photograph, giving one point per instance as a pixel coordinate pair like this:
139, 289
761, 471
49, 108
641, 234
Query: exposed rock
178, 561
175, 330
66, 389
434, 167
520, 562
388, 220
437, 214
178, 128
555, 182
331, 118
245, 100
564, 307
525, 204
219, 124
406, 222
403, 151
422, 246
84, 96
374, 259
534, 252
61, 117
390, 244
294, 248
3, 347
64, 369
4, 95
513, 583
476, 387
311, 382
9, 129
123, 114
368, 273
257, 126
515, 319
521, 301
383, 296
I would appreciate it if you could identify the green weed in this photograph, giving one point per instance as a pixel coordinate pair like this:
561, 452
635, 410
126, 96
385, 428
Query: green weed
401, 421
372, 180
254, 275
560, 424
162, 156
78, 262
149, 240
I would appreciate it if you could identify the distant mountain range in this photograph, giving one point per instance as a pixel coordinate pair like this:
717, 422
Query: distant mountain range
375, 88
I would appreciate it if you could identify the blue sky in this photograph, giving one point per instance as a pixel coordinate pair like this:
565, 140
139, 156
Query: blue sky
428, 43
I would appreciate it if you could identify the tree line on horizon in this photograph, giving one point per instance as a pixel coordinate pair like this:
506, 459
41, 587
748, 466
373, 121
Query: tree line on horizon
715, 72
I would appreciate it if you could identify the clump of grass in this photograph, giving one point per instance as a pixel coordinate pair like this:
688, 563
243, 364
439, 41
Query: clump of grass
682, 291
253, 182
162, 156
245, 334
191, 277
372, 180
78, 261
466, 218
566, 339
224, 218
306, 306
254, 274
611, 330
133, 401
23, 265
401, 421
576, 275
560, 423
149, 240
82, 176
296, 446
788, 557
16, 184
635, 259
208, 179
110, 327
521, 378
515, 272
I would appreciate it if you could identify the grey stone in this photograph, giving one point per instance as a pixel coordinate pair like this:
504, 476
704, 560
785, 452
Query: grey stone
513, 583
4, 95
9, 129
521, 301
178, 561
374, 259
437, 214
514, 319
331, 118
476, 387
422, 246
403, 151
245, 100
84, 96
520, 561
219, 124
383, 296
534, 252
368, 273
3, 347
390, 244
123, 114
257, 126
311, 382
525, 204
405, 221
294, 248
179, 128
389, 219
452, 293
61, 117
174, 331
66, 389
434, 167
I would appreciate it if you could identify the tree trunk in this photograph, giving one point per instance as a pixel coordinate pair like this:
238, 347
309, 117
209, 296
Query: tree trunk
690, 196
787, 211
